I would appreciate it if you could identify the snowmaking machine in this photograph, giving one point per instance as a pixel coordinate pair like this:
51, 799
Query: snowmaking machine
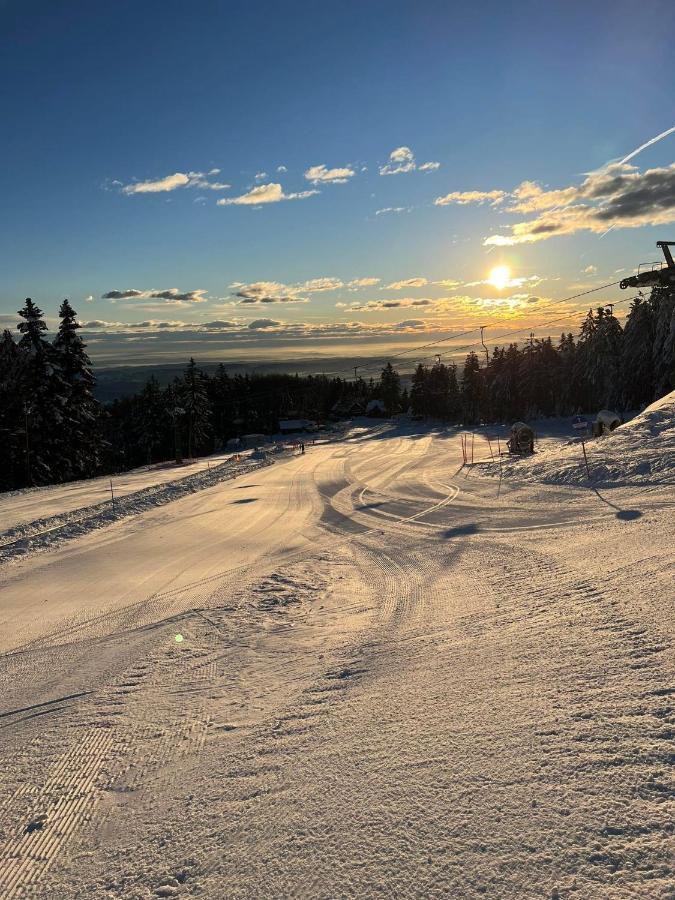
521, 439
658, 275
605, 422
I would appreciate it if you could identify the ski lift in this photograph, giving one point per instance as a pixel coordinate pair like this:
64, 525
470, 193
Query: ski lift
657, 275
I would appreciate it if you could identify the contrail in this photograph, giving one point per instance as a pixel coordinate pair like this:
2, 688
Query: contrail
654, 140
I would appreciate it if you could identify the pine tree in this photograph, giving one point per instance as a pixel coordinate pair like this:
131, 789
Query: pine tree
636, 363
196, 404
418, 391
663, 348
80, 432
151, 420
44, 400
13, 457
471, 390
390, 389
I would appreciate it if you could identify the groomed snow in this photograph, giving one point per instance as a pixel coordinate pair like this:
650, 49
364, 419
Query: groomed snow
364, 671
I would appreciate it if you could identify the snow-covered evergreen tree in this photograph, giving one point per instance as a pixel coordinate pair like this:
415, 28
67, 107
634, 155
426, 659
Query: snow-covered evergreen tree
13, 459
471, 390
197, 407
44, 400
79, 434
663, 348
636, 358
390, 389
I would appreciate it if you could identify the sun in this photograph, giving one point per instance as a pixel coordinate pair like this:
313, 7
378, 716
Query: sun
499, 277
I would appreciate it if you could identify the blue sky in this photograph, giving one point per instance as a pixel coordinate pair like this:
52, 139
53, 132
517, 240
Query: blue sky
134, 133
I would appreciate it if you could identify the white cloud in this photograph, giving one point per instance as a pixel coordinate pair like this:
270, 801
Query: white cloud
322, 175
173, 182
392, 209
462, 198
590, 270
407, 283
264, 193
358, 283
316, 285
402, 160
260, 176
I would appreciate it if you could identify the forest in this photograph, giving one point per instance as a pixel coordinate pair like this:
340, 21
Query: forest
52, 429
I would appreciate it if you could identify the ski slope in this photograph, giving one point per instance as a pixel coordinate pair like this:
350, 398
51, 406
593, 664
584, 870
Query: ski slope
362, 671
31, 504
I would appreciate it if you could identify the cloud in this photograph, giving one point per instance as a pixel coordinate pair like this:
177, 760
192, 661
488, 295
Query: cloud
277, 292
590, 270
358, 283
172, 295
264, 193
89, 299
282, 169
402, 160
317, 285
618, 196
516, 282
504, 306
260, 176
267, 292
322, 175
406, 283
449, 283
263, 323
463, 198
411, 323
375, 305
392, 209
121, 295
173, 182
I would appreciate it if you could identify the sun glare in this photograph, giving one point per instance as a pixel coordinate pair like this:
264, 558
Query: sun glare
499, 277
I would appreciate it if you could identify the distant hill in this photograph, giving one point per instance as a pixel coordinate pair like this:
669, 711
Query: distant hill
120, 381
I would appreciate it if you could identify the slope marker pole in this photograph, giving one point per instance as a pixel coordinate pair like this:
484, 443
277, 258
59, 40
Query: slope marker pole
588, 471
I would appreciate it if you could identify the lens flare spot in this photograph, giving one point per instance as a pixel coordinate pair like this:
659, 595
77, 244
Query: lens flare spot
178, 638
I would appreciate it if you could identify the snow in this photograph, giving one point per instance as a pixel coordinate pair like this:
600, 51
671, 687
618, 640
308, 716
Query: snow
642, 451
397, 677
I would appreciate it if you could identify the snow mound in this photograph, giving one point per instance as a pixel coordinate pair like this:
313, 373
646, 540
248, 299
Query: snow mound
642, 451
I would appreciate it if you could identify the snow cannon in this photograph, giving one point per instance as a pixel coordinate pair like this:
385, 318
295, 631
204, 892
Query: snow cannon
521, 439
655, 274
605, 422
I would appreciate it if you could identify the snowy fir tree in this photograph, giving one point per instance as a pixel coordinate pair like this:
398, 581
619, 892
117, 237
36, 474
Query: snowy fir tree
390, 389
194, 400
80, 428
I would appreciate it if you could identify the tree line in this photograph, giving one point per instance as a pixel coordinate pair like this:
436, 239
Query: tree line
52, 429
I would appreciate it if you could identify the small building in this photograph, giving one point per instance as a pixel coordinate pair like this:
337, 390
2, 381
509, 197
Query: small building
376, 408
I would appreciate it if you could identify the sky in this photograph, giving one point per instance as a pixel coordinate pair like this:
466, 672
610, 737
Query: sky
238, 180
